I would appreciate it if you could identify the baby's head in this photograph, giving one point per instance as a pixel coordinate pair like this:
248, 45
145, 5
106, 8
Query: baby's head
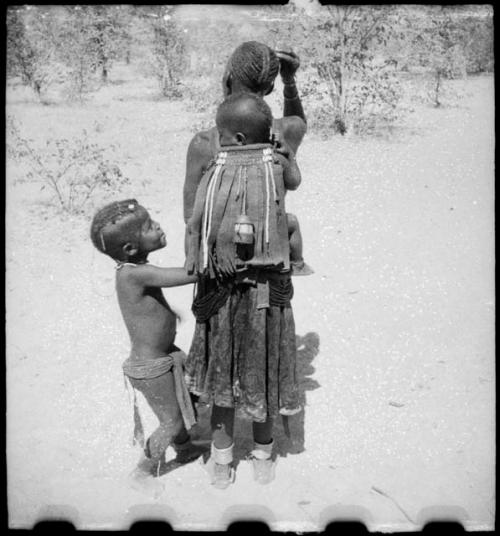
244, 118
124, 231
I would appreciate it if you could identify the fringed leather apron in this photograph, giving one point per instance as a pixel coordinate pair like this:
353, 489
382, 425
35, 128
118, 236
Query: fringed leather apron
243, 180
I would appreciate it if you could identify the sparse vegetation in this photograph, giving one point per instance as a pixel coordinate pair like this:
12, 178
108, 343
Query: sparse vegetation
356, 55
71, 169
364, 69
396, 325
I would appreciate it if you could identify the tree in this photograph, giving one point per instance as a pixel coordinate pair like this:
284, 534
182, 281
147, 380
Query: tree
19, 51
208, 49
90, 38
108, 35
478, 34
31, 46
167, 55
77, 50
348, 51
439, 40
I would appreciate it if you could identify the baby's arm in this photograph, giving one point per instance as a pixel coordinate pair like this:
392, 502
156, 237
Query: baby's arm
147, 275
291, 172
293, 130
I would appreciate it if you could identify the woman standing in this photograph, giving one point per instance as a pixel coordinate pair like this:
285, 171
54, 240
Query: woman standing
241, 354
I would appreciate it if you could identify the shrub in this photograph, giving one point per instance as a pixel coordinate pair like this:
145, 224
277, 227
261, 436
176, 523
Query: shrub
31, 48
374, 102
73, 170
202, 95
165, 54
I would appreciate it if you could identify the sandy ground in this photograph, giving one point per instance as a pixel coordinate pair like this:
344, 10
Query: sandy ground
395, 333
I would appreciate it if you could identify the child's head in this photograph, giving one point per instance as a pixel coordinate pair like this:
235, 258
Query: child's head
244, 118
124, 231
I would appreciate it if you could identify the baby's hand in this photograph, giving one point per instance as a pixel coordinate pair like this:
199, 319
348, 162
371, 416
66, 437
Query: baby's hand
289, 63
282, 148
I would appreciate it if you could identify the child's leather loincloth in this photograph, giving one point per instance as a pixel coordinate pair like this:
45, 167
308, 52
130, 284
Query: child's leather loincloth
145, 369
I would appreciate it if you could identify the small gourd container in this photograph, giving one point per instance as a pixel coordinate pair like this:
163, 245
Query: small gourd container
243, 230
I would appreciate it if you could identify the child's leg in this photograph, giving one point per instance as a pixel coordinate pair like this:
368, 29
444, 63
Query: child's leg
160, 395
299, 267
295, 238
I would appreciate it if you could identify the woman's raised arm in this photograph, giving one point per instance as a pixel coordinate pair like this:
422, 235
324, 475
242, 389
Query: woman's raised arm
289, 63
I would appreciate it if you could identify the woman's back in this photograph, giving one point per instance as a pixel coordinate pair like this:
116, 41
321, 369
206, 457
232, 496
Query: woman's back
205, 145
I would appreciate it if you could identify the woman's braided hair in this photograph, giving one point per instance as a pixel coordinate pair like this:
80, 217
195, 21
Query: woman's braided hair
109, 215
254, 65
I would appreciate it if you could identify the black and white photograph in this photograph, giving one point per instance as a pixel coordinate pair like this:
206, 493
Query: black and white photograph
250, 266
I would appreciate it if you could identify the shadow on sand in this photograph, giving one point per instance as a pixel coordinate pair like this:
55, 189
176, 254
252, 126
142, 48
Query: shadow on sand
288, 430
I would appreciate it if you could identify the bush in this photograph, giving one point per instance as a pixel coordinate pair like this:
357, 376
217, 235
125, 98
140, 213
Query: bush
73, 170
164, 50
374, 102
31, 54
202, 95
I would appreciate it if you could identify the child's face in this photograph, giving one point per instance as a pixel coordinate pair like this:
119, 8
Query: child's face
151, 235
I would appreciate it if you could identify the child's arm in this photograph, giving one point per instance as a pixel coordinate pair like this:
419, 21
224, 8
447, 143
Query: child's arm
291, 172
147, 275
292, 129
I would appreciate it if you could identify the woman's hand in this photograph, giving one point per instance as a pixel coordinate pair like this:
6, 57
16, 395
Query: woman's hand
289, 63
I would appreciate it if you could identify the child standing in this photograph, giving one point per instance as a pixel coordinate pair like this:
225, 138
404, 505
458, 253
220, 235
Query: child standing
125, 231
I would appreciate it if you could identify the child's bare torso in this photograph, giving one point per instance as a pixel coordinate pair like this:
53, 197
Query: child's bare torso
150, 321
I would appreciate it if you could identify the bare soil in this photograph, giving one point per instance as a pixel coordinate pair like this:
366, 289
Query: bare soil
395, 330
